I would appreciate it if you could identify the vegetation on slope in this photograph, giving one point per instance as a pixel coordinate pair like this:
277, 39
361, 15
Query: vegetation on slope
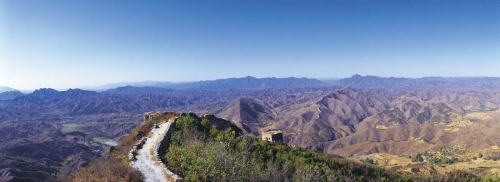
443, 156
200, 152
116, 167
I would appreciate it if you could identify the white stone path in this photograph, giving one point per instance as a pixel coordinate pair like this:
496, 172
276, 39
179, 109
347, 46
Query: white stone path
152, 171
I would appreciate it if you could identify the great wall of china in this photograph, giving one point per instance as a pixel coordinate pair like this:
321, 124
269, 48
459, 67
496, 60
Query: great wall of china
146, 155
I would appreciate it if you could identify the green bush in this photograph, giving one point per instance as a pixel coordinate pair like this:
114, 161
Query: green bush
492, 178
186, 121
200, 152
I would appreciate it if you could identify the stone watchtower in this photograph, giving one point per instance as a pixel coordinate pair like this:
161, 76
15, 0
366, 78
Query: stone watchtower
272, 136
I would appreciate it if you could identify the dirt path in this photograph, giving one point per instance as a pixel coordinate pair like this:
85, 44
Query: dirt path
146, 162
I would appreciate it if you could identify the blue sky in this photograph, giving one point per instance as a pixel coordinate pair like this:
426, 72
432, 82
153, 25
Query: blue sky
73, 43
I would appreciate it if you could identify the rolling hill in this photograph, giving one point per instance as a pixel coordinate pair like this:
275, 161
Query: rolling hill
397, 116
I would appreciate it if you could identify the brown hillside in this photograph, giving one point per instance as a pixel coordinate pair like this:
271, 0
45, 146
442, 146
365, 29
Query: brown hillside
249, 114
350, 122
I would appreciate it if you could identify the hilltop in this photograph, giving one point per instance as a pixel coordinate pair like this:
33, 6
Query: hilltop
210, 149
6, 89
358, 117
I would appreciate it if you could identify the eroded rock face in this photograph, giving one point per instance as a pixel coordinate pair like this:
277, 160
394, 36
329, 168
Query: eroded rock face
349, 121
319, 118
249, 114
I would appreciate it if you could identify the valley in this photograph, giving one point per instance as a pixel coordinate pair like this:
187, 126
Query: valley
254, 91
382, 119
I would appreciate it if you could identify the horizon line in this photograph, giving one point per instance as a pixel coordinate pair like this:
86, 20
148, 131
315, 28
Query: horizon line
124, 83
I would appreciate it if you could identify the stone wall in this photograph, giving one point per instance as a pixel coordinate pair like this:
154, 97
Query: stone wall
161, 149
156, 116
138, 145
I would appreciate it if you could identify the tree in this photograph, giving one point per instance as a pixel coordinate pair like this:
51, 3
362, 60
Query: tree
186, 121
369, 161
205, 123
418, 158
480, 155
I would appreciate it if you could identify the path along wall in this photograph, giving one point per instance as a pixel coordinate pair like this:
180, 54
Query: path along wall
161, 149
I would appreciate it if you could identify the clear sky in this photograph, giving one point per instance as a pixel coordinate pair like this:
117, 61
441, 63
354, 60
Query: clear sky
74, 43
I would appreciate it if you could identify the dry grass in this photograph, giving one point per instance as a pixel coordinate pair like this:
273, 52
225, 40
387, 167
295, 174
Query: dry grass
484, 116
112, 169
386, 159
152, 153
389, 161
116, 167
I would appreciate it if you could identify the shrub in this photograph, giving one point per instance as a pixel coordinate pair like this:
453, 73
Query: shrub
492, 178
116, 166
368, 160
107, 170
200, 152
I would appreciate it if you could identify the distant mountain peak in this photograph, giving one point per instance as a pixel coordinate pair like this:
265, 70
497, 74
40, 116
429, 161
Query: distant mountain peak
132, 90
79, 91
10, 95
45, 91
6, 89
426, 83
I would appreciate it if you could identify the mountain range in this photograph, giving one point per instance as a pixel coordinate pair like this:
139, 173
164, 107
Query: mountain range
346, 117
8, 95
6, 89
357, 116
248, 82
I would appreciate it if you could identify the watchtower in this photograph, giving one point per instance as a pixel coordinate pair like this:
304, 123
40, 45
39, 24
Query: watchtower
272, 136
